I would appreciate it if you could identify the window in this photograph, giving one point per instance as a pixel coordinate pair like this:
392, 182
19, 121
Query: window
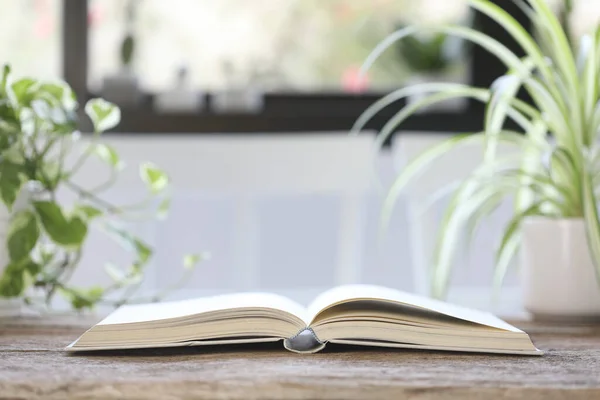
218, 48
276, 45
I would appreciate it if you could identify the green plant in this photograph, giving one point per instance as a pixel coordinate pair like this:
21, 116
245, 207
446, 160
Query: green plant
432, 53
128, 44
553, 171
40, 155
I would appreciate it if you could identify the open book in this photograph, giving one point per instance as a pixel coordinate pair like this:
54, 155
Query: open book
362, 315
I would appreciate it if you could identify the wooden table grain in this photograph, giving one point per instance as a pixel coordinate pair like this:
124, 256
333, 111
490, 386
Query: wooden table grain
33, 365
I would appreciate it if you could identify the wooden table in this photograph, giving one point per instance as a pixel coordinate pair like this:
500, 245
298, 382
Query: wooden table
33, 365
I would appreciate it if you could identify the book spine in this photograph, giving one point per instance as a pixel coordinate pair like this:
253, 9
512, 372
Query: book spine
304, 342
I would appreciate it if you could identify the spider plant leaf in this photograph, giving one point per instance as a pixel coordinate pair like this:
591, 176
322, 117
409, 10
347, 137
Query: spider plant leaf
595, 128
503, 261
564, 172
519, 107
467, 207
410, 109
556, 33
589, 86
510, 242
564, 59
541, 187
426, 158
413, 108
401, 93
482, 171
556, 115
530, 163
474, 221
496, 111
461, 208
534, 55
592, 225
516, 30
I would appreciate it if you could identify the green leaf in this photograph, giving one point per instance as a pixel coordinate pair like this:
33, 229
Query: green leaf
127, 48
510, 242
46, 254
163, 208
121, 278
83, 298
87, 212
129, 241
109, 155
12, 282
27, 121
50, 174
516, 30
31, 267
6, 141
10, 182
503, 91
70, 232
530, 164
592, 224
55, 91
478, 217
191, 260
60, 94
564, 172
104, 115
23, 234
154, 178
22, 90
17, 277
5, 74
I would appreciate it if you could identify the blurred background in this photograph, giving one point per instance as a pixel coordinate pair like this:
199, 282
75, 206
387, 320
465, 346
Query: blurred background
247, 104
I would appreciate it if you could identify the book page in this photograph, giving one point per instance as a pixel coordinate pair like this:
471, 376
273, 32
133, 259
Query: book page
175, 309
347, 293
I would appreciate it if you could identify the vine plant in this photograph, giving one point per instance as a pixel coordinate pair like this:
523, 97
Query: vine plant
41, 153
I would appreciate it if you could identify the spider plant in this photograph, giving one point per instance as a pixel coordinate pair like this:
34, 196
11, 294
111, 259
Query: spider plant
554, 170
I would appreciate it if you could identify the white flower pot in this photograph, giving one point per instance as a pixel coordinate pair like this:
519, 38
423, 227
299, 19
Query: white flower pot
558, 275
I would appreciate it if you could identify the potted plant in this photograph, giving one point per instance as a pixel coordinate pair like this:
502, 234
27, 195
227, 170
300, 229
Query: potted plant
122, 88
432, 57
553, 174
42, 238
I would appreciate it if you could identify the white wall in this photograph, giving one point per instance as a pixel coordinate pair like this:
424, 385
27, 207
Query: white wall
292, 214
